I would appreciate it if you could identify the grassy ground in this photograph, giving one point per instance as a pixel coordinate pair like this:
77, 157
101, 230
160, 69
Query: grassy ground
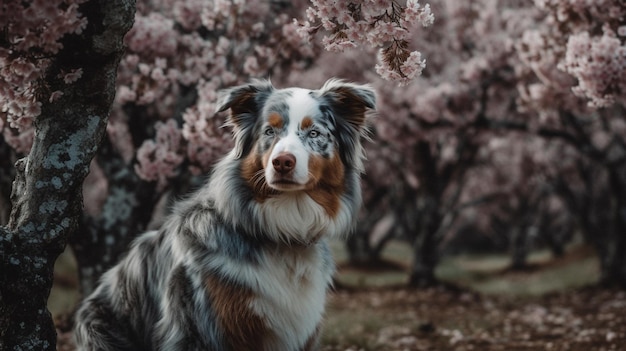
553, 305
487, 274
546, 307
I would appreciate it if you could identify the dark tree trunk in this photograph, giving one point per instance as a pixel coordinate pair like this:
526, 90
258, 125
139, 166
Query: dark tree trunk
47, 191
427, 218
520, 247
7, 173
614, 263
128, 208
426, 244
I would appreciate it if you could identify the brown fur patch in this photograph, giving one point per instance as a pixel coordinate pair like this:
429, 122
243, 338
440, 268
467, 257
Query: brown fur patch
252, 170
327, 185
243, 329
275, 120
307, 122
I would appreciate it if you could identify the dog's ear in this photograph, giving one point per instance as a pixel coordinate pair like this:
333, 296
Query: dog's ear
348, 101
245, 103
348, 105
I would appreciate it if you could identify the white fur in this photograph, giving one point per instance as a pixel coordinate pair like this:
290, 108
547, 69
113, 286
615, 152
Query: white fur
297, 216
301, 105
290, 292
292, 297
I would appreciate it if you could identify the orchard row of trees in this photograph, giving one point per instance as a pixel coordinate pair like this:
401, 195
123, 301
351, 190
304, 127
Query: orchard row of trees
515, 132
508, 123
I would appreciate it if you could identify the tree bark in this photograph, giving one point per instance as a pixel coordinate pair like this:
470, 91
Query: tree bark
7, 173
428, 217
426, 244
614, 263
101, 239
47, 191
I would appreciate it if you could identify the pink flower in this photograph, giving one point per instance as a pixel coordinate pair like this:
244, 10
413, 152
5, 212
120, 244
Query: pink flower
73, 75
55, 95
158, 159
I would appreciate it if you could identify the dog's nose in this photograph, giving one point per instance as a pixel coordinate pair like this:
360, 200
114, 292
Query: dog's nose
284, 163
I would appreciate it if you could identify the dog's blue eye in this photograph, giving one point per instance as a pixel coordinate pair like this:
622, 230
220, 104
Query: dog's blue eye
269, 131
314, 134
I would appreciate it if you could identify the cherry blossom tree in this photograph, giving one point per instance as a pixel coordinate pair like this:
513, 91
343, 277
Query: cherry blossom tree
576, 58
551, 69
58, 62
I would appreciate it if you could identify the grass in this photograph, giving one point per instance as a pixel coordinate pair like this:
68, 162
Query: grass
485, 273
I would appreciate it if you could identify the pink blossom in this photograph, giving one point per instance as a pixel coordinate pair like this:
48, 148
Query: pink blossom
158, 160
593, 61
73, 76
54, 96
380, 25
20, 141
22, 67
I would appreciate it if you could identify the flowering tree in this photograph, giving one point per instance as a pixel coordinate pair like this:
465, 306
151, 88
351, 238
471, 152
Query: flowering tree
577, 59
438, 123
519, 170
498, 68
45, 51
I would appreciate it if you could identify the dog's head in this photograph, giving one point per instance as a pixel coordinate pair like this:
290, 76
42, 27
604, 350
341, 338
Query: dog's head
297, 139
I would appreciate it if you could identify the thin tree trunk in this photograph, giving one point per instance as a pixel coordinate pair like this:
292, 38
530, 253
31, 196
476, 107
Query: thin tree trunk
47, 192
426, 244
614, 263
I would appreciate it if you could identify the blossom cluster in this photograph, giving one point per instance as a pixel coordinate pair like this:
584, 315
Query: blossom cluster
30, 33
179, 54
158, 159
599, 64
372, 23
587, 39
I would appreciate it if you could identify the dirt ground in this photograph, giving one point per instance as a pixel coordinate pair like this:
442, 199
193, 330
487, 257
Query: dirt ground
515, 311
444, 319
400, 319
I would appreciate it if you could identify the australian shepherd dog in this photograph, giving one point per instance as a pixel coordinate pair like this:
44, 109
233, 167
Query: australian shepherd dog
244, 264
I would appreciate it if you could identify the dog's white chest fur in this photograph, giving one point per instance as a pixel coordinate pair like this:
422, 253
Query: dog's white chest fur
291, 295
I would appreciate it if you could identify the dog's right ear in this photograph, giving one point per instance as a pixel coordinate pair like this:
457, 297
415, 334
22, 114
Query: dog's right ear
245, 103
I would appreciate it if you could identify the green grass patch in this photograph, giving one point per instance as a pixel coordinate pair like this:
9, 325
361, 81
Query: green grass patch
485, 273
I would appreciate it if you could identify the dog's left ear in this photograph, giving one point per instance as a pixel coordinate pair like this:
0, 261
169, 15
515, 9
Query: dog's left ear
349, 102
245, 103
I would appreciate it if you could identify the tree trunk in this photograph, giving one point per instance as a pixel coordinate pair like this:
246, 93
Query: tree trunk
614, 263
425, 259
426, 244
7, 173
520, 245
47, 191
427, 218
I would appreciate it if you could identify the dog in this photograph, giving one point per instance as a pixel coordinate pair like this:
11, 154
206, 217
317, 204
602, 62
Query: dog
243, 264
